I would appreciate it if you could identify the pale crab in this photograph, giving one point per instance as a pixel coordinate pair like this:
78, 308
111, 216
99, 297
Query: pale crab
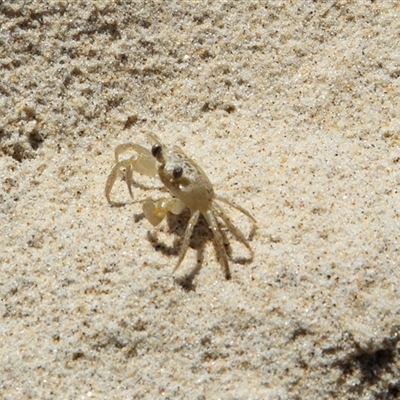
189, 186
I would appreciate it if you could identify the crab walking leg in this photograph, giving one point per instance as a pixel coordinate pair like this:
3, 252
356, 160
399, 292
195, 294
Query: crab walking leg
234, 230
234, 205
186, 239
219, 240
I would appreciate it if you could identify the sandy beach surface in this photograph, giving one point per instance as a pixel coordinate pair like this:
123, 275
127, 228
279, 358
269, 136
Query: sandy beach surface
293, 110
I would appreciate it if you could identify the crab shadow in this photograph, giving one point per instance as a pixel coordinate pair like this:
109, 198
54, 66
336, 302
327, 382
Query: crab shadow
201, 235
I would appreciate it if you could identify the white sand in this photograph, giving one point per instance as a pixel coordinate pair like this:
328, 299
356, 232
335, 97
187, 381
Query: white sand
293, 110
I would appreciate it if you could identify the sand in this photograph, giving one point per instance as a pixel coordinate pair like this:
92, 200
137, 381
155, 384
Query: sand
292, 109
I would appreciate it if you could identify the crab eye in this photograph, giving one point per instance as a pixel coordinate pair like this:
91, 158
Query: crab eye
177, 172
156, 150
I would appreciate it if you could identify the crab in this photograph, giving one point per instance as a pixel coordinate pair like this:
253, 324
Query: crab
190, 188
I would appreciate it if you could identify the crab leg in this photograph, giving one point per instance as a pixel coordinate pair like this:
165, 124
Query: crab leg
219, 241
186, 239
